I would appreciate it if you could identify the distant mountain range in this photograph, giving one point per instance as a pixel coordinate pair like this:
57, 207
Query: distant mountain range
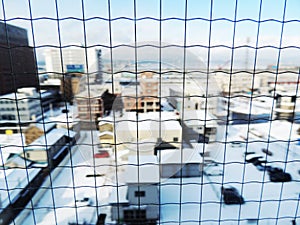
151, 52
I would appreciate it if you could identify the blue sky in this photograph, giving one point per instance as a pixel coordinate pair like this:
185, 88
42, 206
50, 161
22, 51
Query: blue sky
97, 31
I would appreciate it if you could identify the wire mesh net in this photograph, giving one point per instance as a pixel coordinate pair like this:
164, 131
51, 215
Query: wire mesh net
149, 112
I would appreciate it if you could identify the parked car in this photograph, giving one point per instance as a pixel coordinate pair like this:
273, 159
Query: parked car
280, 176
231, 196
277, 174
85, 211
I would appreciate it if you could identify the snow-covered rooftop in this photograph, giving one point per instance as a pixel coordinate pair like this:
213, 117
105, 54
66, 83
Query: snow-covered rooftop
142, 170
11, 144
14, 180
186, 155
199, 118
51, 138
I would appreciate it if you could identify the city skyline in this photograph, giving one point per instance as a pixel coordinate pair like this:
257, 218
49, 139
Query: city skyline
150, 112
197, 36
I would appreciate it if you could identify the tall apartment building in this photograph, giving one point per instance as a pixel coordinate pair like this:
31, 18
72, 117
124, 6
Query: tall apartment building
18, 66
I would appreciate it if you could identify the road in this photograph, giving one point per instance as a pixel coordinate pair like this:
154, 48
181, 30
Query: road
57, 205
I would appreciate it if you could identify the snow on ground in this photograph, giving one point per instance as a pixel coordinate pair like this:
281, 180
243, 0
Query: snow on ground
57, 205
187, 200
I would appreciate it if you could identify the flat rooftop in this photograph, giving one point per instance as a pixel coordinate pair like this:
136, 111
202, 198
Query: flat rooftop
177, 156
142, 170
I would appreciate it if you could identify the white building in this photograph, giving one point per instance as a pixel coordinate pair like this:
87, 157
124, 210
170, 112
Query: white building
74, 60
246, 108
237, 82
142, 133
180, 163
203, 123
138, 199
287, 105
23, 106
197, 94
10, 144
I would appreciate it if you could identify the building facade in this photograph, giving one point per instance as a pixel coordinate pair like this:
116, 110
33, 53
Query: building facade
18, 66
138, 201
143, 98
90, 106
23, 106
71, 84
73, 60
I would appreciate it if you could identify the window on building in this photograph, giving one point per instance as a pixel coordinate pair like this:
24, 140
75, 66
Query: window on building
139, 194
198, 52
141, 214
134, 214
129, 215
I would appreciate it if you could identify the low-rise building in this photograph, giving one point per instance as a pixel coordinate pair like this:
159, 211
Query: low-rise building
21, 107
141, 132
231, 82
67, 119
34, 131
245, 108
286, 107
90, 106
142, 98
180, 163
10, 144
71, 85
196, 95
137, 201
50, 147
203, 124
97, 102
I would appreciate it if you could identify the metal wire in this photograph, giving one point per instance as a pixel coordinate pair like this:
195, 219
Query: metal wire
183, 73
